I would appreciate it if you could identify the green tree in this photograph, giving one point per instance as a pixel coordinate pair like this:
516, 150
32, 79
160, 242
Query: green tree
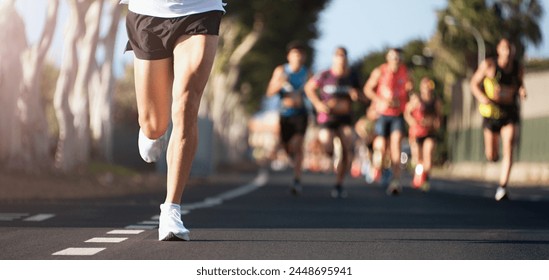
456, 49
253, 39
283, 22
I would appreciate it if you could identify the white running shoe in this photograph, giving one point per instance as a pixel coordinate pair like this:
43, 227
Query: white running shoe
501, 194
394, 188
151, 150
170, 226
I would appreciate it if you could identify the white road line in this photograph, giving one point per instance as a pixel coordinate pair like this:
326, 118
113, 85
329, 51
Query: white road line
155, 217
39, 217
149, 223
106, 240
141, 227
125, 231
12, 216
78, 251
259, 181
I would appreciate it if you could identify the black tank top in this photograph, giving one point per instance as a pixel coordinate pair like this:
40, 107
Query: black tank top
510, 78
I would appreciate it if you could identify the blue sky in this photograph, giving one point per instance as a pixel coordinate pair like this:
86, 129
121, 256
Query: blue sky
365, 26
362, 26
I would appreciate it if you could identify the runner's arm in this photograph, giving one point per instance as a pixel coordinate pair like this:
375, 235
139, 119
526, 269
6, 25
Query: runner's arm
476, 80
277, 81
311, 89
371, 84
522, 90
410, 106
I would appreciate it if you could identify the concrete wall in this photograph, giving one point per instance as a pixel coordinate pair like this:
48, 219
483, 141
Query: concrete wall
466, 140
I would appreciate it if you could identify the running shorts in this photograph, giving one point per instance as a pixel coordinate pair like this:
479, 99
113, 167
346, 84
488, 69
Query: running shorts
509, 114
334, 122
385, 125
293, 125
152, 38
495, 125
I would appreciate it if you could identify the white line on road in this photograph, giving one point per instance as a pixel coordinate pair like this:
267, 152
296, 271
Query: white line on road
106, 240
78, 251
148, 223
259, 181
141, 227
11, 216
125, 231
39, 217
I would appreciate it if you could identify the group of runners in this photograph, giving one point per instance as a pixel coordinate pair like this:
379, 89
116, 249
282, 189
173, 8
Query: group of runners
394, 111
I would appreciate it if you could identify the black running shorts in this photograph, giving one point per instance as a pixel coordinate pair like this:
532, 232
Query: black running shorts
510, 116
293, 125
152, 38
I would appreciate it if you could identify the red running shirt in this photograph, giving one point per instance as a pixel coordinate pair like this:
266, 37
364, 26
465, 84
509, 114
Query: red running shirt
392, 86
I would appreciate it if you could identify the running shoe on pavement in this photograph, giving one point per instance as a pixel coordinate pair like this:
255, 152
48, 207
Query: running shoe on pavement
419, 177
394, 187
296, 188
170, 226
501, 194
367, 172
339, 192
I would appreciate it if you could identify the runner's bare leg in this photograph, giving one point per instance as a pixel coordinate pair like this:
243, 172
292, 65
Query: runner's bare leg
193, 60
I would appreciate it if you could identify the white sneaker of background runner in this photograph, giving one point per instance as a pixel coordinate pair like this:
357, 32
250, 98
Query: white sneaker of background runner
170, 227
501, 193
149, 149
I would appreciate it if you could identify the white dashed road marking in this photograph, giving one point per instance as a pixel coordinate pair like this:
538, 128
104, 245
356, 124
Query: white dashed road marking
79, 251
12, 216
125, 231
39, 217
106, 240
258, 182
148, 223
141, 227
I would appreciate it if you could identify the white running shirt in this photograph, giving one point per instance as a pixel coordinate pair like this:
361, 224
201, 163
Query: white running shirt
173, 8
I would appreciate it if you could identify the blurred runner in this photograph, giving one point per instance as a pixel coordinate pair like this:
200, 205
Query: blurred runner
423, 115
365, 129
288, 81
497, 85
388, 88
332, 93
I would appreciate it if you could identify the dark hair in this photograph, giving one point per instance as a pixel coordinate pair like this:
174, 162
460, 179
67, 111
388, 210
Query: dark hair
397, 50
296, 45
343, 49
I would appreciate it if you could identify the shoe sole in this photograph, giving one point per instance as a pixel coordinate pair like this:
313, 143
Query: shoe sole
172, 237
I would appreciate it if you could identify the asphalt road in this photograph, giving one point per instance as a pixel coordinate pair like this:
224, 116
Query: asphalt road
252, 216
